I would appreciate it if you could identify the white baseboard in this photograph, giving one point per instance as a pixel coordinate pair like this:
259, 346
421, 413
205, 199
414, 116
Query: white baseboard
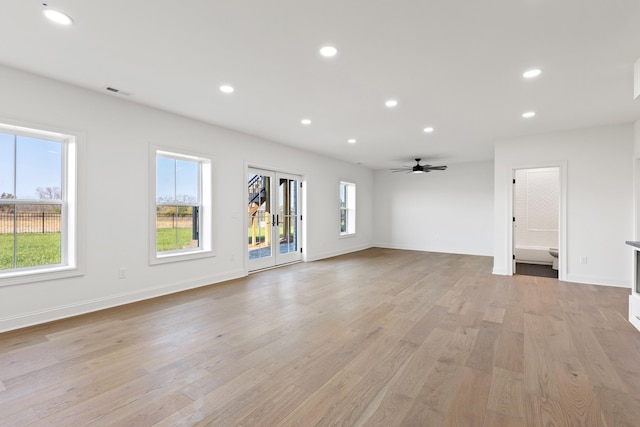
589, 280
423, 249
331, 254
500, 272
65, 311
634, 310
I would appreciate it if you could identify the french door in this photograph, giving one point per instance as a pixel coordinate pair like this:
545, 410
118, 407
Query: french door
273, 214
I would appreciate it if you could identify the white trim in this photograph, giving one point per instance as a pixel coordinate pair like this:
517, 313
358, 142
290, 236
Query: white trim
562, 212
598, 281
413, 247
206, 196
331, 254
72, 203
276, 259
88, 306
634, 310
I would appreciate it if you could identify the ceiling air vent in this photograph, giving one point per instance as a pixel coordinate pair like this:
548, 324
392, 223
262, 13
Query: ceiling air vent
118, 91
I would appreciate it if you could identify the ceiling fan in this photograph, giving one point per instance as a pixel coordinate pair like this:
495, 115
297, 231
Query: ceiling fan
418, 168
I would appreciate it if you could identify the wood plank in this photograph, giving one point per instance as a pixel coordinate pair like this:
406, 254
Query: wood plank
377, 337
507, 393
494, 314
577, 399
467, 408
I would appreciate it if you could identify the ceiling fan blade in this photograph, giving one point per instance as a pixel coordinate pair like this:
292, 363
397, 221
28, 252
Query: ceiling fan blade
436, 168
397, 170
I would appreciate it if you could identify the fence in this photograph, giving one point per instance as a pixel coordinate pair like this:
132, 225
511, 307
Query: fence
42, 222
29, 222
174, 221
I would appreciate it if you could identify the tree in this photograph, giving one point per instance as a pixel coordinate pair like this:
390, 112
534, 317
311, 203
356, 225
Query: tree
49, 193
7, 208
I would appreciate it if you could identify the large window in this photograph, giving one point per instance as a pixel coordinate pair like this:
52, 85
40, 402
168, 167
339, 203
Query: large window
347, 208
37, 203
182, 218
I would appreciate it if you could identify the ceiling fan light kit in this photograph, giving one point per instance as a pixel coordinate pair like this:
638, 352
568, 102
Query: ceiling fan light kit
418, 168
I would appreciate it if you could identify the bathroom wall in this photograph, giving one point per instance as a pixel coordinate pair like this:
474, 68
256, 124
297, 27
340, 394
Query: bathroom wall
536, 210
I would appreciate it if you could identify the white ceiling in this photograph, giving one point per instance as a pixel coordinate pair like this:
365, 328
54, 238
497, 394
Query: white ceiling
453, 65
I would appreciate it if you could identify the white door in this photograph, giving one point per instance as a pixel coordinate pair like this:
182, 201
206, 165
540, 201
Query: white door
273, 214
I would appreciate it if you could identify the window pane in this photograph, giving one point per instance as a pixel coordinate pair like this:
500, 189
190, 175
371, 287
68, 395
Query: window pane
7, 190
6, 236
343, 195
38, 169
176, 228
165, 180
187, 182
38, 238
343, 221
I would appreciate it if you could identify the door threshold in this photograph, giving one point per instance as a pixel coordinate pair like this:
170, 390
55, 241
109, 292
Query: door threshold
274, 266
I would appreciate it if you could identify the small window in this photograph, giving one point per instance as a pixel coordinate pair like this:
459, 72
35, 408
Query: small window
37, 203
182, 217
347, 208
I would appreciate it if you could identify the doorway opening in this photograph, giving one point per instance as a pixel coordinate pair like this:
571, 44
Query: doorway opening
273, 214
536, 221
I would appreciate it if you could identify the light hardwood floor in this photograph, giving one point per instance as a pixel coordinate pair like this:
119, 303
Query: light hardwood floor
379, 337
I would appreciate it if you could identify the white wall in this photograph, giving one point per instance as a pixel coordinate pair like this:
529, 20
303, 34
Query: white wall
442, 211
599, 203
117, 190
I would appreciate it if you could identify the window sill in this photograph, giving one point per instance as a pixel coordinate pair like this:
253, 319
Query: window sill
347, 235
181, 256
40, 275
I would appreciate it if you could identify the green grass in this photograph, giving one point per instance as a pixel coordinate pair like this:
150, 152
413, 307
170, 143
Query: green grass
166, 238
32, 250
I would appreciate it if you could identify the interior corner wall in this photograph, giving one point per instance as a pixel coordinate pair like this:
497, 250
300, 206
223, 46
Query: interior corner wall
449, 211
636, 127
599, 198
118, 137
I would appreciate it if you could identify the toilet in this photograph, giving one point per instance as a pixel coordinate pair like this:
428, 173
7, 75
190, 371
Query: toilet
554, 254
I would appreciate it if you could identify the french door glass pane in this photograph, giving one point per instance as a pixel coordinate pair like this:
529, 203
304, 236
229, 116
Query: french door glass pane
288, 215
259, 216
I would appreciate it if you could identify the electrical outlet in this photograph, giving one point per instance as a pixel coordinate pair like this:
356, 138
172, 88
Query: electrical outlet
122, 273
583, 259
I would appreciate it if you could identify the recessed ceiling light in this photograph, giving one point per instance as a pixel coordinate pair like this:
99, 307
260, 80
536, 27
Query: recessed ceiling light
391, 103
351, 141
328, 51
428, 130
57, 17
305, 122
532, 73
529, 114
226, 89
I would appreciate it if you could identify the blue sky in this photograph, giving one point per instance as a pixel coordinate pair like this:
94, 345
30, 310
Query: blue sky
176, 177
39, 164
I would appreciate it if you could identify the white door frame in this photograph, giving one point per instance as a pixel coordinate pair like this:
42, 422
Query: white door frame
562, 213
